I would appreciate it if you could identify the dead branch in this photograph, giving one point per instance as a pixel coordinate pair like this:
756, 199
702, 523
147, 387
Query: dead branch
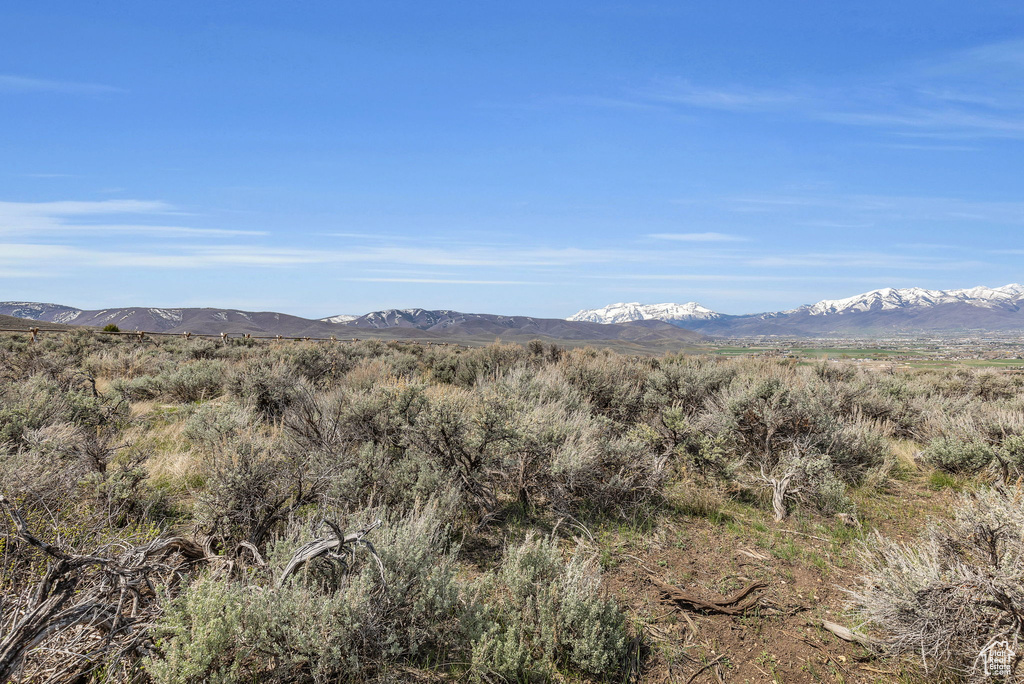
813, 644
706, 667
251, 548
736, 604
108, 601
328, 546
846, 634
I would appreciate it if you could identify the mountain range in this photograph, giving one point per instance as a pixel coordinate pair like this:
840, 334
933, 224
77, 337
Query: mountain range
878, 312
627, 325
410, 324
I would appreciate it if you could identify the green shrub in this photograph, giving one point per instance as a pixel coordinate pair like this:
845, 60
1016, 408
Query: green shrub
783, 429
959, 457
142, 388
335, 422
1010, 455
613, 384
538, 613
269, 388
223, 630
195, 381
686, 383
252, 485
125, 361
459, 432
40, 401
213, 424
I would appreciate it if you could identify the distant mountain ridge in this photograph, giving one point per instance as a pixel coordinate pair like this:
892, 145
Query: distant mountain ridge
26, 324
882, 311
635, 311
515, 327
206, 321
890, 298
51, 313
421, 324
652, 326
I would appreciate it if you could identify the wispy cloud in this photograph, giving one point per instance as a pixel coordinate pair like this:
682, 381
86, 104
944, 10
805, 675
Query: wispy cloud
368, 236
733, 98
698, 237
740, 277
861, 260
22, 84
466, 264
688, 277
41, 219
446, 281
197, 257
79, 208
926, 245
967, 94
863, 210
932, 147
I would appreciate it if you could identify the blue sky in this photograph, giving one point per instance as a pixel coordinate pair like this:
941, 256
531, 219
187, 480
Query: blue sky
529, 158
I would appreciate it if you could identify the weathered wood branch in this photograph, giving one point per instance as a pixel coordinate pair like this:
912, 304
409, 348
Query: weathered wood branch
110, 597
330, 546
847, 634
735, 604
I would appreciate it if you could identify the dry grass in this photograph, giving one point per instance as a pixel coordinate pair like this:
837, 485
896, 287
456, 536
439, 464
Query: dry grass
158, 432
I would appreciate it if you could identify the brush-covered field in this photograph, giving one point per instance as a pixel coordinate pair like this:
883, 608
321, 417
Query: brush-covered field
189, 511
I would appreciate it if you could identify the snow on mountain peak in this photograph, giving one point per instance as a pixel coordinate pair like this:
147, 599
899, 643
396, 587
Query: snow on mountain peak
172, 315
635, 311
892, 298
340, 318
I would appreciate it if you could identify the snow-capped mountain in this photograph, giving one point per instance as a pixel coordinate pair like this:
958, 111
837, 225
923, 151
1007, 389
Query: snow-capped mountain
884, 311
37, 311
422, 319
891, 298
880, 312
635, 311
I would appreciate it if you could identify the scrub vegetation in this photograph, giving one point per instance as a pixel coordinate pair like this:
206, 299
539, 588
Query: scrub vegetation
185, 511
